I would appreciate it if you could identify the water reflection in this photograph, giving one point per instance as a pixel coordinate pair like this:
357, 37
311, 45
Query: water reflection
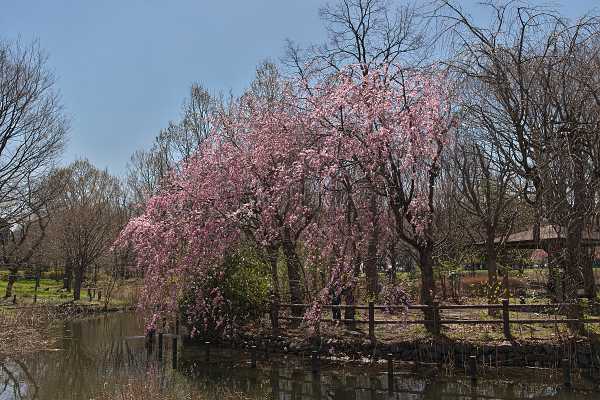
99, 351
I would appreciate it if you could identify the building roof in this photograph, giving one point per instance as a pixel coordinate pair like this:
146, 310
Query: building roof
548, 234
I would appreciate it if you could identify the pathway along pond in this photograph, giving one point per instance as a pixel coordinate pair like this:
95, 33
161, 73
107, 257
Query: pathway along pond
98, 352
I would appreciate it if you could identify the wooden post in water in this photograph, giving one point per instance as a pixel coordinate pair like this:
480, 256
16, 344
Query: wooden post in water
390, 373
473, 367
316, 386
314, 358
160, 346
14, 299
174, 348
371, 320
506, 319
253, 356
206, 351
566, 367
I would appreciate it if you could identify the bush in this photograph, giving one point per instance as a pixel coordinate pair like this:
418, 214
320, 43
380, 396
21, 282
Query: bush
234, 294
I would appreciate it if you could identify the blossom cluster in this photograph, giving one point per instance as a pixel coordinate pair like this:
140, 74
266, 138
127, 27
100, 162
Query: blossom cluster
320, 170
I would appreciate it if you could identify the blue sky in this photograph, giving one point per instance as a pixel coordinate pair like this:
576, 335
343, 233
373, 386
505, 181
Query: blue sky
123, 67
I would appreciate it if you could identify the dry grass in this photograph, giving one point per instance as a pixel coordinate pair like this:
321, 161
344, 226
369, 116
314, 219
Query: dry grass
127, 293
155, 386
24, 330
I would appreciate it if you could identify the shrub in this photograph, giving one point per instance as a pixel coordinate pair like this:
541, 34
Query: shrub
219, 304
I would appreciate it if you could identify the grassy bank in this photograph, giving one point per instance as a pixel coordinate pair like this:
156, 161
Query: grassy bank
24, 325
51, 292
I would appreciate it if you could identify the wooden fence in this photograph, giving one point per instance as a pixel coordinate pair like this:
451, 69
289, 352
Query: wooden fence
438, 321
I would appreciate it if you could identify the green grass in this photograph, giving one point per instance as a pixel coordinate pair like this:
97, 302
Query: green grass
49, 291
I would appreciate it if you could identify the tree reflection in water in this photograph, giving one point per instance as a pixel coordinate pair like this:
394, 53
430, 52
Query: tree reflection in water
94, 353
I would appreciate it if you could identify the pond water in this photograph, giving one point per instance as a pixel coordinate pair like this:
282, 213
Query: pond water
100, 352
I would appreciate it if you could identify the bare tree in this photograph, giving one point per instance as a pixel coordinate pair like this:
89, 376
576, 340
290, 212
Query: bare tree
89, 217
533, 87
172, 146
368, 33
22, 236
32, 133
146, 170
487, 200
195, 125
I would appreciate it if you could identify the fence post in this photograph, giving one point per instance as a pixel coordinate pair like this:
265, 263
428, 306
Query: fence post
506, 319
436, 317
371, 320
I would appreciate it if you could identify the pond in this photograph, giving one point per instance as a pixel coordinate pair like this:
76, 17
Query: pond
103, 352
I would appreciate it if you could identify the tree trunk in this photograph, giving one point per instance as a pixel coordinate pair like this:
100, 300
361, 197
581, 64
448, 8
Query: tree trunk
492, 268
506, 283
349, 312
393, 265
79, 272
576, 218
444, 290
350, 297
371, 259
428, 287
68, 276
272, 254
554, 279
12, 277
371, 269
589, 281
293, 272
571, 264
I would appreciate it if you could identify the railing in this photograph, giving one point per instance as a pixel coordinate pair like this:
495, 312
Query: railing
435, 309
